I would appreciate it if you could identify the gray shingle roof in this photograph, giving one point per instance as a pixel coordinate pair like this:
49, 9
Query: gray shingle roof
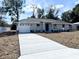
32, 20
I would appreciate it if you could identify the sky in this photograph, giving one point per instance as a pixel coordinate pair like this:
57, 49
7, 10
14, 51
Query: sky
62, 5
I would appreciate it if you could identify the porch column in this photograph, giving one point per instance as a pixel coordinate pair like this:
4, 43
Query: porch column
44, 27
41, 26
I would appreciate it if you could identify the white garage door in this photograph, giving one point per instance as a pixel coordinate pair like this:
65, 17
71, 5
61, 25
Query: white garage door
24, 29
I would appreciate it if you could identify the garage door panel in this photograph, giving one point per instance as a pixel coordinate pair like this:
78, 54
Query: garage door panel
24, 29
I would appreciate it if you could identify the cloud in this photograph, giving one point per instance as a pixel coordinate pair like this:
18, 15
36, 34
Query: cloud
66, 9
1, 3
59, 6
40, 4
76, 1
29, 7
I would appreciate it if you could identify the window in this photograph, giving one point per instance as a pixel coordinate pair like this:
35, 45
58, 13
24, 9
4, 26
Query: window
25, 23
30, 24
70, 26
55, 24
38, 24
63, 25
21, 24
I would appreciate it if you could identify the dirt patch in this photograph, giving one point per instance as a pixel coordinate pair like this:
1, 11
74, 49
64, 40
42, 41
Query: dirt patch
9, 33
70, 39
9, 45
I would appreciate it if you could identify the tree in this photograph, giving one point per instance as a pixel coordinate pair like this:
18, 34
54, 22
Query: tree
34, 7
52, 13
75, 14
40, 13
76, 9
3, 23
66, 16
14, 7
71, 16
33, 16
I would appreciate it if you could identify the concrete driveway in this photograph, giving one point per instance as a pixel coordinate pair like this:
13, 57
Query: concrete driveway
33, 46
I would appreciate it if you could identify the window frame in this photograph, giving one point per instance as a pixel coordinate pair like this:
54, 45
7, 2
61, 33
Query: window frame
37, 25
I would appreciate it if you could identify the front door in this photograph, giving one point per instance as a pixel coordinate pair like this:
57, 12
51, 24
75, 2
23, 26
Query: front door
47, 27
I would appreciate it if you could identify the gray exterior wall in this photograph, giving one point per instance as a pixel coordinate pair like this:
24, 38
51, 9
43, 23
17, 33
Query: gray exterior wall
40, 25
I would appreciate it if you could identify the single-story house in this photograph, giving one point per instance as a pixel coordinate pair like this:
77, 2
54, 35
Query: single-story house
43, 25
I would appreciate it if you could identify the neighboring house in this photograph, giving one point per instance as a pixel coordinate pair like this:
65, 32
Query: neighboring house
4, 29
76, 25
43, 25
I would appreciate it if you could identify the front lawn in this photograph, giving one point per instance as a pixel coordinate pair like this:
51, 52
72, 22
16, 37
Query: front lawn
70, 39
